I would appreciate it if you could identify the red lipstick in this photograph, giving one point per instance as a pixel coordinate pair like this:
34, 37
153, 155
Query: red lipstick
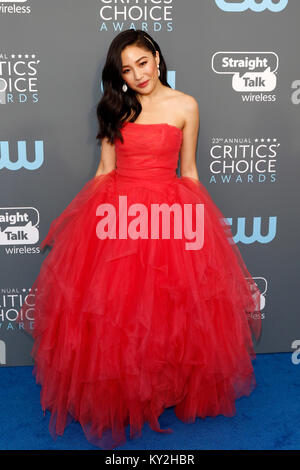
142, 85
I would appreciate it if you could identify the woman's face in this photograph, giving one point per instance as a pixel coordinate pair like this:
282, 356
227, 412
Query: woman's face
139, 66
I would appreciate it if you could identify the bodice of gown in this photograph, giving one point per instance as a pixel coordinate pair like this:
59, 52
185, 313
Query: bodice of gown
148, 151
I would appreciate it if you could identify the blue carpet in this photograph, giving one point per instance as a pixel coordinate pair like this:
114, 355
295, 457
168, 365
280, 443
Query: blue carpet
268, 419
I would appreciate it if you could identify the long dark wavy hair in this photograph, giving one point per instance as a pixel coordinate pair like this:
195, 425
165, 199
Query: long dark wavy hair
115, 106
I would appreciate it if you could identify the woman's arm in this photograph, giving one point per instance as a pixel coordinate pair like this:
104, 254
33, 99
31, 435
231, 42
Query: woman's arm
107, 159
188, 165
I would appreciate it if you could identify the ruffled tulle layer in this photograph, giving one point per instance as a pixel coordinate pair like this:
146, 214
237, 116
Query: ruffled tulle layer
125, 328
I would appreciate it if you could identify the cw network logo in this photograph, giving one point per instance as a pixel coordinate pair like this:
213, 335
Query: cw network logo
256, 236
254, 5
21, 161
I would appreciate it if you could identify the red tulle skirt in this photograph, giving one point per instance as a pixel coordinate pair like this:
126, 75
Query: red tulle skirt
124, 328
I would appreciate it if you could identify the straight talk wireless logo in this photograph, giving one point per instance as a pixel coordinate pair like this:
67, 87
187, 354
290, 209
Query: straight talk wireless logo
254, 74
14, 7
19, 230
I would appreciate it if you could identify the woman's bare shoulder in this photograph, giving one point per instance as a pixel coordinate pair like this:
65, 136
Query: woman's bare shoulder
184, 106
185, 100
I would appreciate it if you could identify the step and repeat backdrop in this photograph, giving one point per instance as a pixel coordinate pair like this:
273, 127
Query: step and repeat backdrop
239, 59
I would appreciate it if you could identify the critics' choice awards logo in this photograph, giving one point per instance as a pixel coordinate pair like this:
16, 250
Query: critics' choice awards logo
251, 72
19, 226
254, 5
21, 161
14, 6
151, 15
18, 78
243, 160
11, 301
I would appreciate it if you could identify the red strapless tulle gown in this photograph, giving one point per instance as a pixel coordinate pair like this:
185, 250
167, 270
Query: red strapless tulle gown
126, 327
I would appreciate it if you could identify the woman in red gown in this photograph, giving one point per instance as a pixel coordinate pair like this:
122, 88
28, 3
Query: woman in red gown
126, 324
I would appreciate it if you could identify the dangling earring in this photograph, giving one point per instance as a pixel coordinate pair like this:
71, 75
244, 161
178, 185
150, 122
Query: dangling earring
158, 72
124, 87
